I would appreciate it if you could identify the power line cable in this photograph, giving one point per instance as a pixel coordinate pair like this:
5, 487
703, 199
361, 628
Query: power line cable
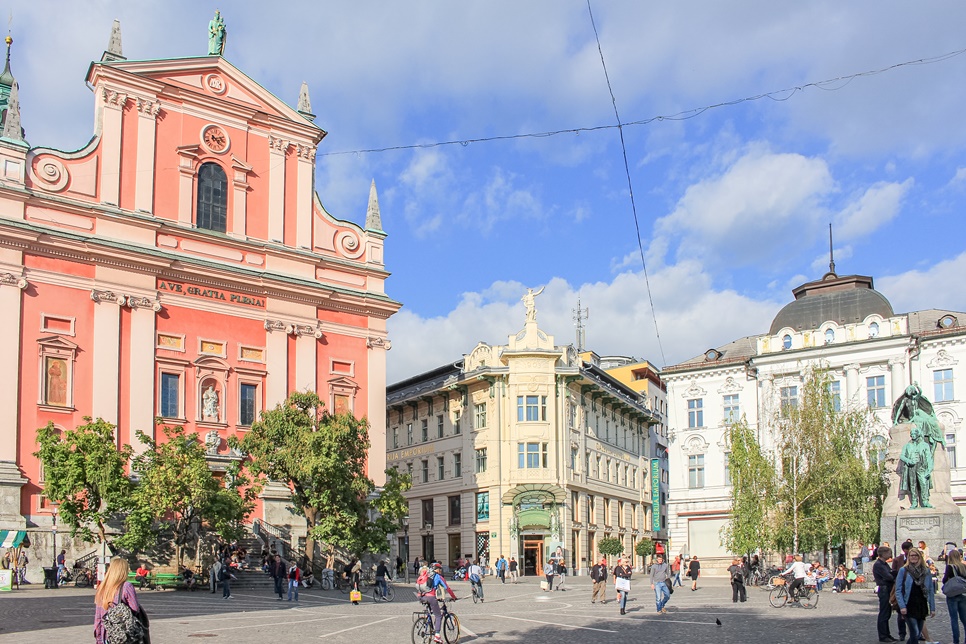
779, 95
630, 185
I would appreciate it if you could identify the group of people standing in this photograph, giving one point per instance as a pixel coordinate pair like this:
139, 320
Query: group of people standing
905, 585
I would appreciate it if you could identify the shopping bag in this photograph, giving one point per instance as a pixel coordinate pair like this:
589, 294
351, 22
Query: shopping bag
543, 585
623, 585
355, 596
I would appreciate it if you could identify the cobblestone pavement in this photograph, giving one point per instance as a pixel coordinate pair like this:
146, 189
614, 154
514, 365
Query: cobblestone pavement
511, 613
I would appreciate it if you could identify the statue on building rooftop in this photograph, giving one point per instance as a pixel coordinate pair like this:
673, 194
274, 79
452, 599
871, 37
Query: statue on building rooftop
217, 35
529, 300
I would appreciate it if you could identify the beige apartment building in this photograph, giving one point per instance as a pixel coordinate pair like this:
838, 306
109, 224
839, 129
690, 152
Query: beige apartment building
519, 450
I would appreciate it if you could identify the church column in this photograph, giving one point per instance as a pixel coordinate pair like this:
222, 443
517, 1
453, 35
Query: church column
376, 406
851, 382
112, 111
11, 303
187, 158
276, 189
240, 209
306, 346
898, 376
303, 199
107, 352
276, 349
144, 178
141, 393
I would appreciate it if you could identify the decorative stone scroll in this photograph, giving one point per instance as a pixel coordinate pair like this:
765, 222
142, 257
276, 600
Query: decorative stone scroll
148, 107
114, 98
308, 329
378, 343
108, 296
136, 302
9, 279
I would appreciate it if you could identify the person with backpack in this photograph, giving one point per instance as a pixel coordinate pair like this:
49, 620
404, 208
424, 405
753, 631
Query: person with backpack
501, 567
118, 617
475, 574
429, 583
737, 571
955, 597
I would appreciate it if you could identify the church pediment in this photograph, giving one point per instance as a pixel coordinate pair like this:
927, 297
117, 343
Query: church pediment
207, 79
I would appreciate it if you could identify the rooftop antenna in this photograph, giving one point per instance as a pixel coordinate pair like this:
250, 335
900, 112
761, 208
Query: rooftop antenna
831, 255
579, 316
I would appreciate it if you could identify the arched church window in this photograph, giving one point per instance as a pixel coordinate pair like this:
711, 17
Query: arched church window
212, 212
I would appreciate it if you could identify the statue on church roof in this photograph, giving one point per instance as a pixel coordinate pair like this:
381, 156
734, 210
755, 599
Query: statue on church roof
217, 35
529, 301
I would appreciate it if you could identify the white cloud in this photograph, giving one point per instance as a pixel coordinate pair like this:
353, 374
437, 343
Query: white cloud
939, 286
821, 264
750, 211
875, 208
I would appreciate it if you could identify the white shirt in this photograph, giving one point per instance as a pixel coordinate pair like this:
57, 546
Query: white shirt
797, 567
475, 570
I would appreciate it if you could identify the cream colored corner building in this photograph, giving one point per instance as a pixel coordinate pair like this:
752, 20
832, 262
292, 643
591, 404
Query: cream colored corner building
520, 450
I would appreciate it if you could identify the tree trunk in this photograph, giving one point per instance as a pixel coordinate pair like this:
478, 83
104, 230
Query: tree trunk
310, 515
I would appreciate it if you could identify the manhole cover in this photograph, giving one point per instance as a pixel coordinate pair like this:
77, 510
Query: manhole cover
202, 635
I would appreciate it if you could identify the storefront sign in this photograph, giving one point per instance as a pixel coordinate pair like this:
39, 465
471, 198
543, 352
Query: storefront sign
408, 453
208, 293
655, 494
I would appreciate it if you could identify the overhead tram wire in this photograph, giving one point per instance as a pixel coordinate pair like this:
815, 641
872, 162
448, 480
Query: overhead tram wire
630, 185
779, 95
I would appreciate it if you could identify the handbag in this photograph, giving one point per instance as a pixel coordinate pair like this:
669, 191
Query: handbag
623, 585
670, 587
355, 596
955, 587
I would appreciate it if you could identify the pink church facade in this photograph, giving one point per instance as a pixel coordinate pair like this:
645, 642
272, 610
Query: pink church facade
179, 266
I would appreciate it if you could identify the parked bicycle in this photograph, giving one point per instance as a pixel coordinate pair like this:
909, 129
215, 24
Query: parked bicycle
390, 592
424, 631
327, 581
806, 596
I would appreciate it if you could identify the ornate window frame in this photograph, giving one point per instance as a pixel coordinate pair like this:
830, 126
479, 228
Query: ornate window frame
60, 349
339, 388
172, 366
254, 377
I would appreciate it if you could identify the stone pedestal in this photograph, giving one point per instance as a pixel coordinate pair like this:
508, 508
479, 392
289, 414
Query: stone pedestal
937, 525
11, 480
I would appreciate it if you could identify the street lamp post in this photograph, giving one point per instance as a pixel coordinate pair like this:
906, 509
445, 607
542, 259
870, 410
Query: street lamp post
53, 540
405, 540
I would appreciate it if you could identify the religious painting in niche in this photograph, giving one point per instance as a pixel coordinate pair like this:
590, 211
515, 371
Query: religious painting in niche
55, 385
210, 401
341, 404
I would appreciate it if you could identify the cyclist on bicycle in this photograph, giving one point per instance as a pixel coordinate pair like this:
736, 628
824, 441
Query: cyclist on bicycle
429, 582
798, 568
475, 574
382, 572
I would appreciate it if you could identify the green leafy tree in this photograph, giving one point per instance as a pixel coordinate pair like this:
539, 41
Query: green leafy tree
752, 492
829, 490
85, 472
644, 548
177, 495
611, 546
321, 457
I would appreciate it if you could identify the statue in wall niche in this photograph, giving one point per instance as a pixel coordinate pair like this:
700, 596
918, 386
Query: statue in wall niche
915, 470
209, 404
915, 408
212, 442
529, 301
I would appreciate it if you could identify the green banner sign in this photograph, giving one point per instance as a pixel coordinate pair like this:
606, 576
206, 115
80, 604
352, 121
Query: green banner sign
655, 494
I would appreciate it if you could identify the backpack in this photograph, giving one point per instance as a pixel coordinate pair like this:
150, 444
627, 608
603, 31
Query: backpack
121, 625
224, 574
424, 582
738, 576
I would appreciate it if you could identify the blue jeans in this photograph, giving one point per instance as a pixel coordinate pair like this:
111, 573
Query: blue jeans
661, 594
383, 587
677, 579
914, 627
623, 599
226, 588
293, 585
957, 613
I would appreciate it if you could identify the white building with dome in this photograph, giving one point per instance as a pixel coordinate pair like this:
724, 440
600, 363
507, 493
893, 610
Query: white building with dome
840, 323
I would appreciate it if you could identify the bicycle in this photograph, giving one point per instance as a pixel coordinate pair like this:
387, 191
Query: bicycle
327, 581
476, 593
423, 630
807, 596
390, 592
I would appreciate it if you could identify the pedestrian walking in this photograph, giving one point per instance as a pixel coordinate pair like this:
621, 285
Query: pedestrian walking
955, 603
914, 594
694, 571
294, 577
885, 581
598, 575
213, 574
548, 573
897, 563
561, 574
514, 570
416, 566
501, 566
277, 571
676, 572
114, 592
737, 572
225, 576
659, 583
622, 583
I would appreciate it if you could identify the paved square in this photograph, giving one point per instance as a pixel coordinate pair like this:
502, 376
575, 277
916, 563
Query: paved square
511, 613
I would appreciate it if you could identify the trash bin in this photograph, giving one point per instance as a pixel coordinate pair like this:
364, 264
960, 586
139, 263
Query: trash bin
50, 577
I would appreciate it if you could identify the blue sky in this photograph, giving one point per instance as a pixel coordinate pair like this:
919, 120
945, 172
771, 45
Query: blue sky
733, 204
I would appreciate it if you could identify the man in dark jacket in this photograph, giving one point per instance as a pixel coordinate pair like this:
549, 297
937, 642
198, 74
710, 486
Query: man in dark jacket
898, 562
279, 574
884, 581
598, 574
